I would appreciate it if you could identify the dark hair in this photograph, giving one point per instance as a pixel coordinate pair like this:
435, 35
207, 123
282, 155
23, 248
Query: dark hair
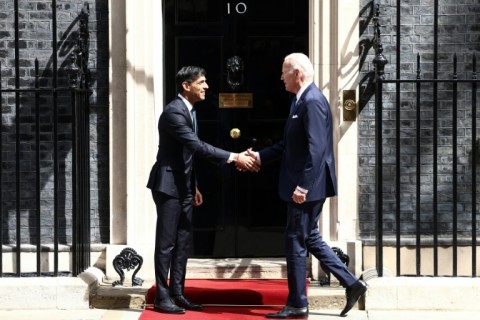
188, 74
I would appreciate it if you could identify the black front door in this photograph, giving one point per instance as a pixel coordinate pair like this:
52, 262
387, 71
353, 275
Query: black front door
242, 215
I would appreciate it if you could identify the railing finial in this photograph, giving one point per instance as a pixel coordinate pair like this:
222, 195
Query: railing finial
77, 69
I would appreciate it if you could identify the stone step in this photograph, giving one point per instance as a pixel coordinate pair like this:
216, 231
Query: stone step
50, 293
424, 293
107, 296
229, 268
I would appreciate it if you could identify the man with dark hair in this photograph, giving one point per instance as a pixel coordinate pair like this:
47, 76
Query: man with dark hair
174, 188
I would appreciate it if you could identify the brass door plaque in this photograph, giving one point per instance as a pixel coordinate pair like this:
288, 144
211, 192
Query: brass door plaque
235, 100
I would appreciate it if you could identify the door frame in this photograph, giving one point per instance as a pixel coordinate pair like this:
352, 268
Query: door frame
136, 83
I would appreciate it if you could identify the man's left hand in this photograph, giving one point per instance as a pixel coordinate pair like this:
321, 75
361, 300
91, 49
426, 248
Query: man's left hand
198, 198
299, 197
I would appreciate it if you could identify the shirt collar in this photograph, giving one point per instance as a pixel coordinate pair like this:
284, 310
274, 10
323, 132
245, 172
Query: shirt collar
302, 90
189, 105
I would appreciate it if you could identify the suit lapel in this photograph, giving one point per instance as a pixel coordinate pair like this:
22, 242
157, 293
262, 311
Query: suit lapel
294, 114
300, 101
185, 112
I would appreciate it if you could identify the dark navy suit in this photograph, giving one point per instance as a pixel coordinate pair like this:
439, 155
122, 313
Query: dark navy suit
172, 181
306, 152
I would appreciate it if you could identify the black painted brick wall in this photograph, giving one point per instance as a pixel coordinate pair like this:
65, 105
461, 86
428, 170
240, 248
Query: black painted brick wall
459, 33
35, 33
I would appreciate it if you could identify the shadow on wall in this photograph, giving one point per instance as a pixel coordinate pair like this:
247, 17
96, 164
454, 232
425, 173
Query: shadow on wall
20, 135
367, 86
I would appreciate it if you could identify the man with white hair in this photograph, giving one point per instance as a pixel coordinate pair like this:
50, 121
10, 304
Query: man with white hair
307, 178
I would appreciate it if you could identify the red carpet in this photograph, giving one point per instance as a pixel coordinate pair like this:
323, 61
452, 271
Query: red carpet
226, 299
233, 291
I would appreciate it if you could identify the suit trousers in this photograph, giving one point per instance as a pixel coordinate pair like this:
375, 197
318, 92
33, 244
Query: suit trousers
172, 243
302, 237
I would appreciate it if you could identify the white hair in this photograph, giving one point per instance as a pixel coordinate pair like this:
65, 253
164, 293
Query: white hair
299, 61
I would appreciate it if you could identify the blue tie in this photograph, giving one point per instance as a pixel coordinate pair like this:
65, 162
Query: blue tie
194, 119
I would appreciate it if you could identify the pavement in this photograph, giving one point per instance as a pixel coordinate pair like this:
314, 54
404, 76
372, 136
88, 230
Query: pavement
387, 299
134, 314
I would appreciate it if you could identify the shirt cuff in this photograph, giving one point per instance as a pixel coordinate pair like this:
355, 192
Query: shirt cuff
302, 190
257, 156
233, 157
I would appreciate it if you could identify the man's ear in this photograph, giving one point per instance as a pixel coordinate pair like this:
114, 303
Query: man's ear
186, 86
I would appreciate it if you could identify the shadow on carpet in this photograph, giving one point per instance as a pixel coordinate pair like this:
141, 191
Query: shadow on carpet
226, 299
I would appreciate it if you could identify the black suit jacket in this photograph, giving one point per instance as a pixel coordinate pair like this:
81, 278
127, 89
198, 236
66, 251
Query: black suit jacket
178, 145
306, 149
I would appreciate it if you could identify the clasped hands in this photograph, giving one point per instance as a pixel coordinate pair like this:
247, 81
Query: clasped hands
247, 161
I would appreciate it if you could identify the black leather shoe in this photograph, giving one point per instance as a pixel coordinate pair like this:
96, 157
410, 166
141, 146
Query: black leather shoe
167, 306
353, 294
289, 313
185, 303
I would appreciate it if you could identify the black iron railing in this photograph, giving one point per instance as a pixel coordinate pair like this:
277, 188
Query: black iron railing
426, 140
50, 161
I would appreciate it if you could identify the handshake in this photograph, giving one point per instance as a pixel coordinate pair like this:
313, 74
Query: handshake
247, 161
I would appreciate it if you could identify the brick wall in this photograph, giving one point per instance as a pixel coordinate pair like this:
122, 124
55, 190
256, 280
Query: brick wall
35, 33
459, 33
